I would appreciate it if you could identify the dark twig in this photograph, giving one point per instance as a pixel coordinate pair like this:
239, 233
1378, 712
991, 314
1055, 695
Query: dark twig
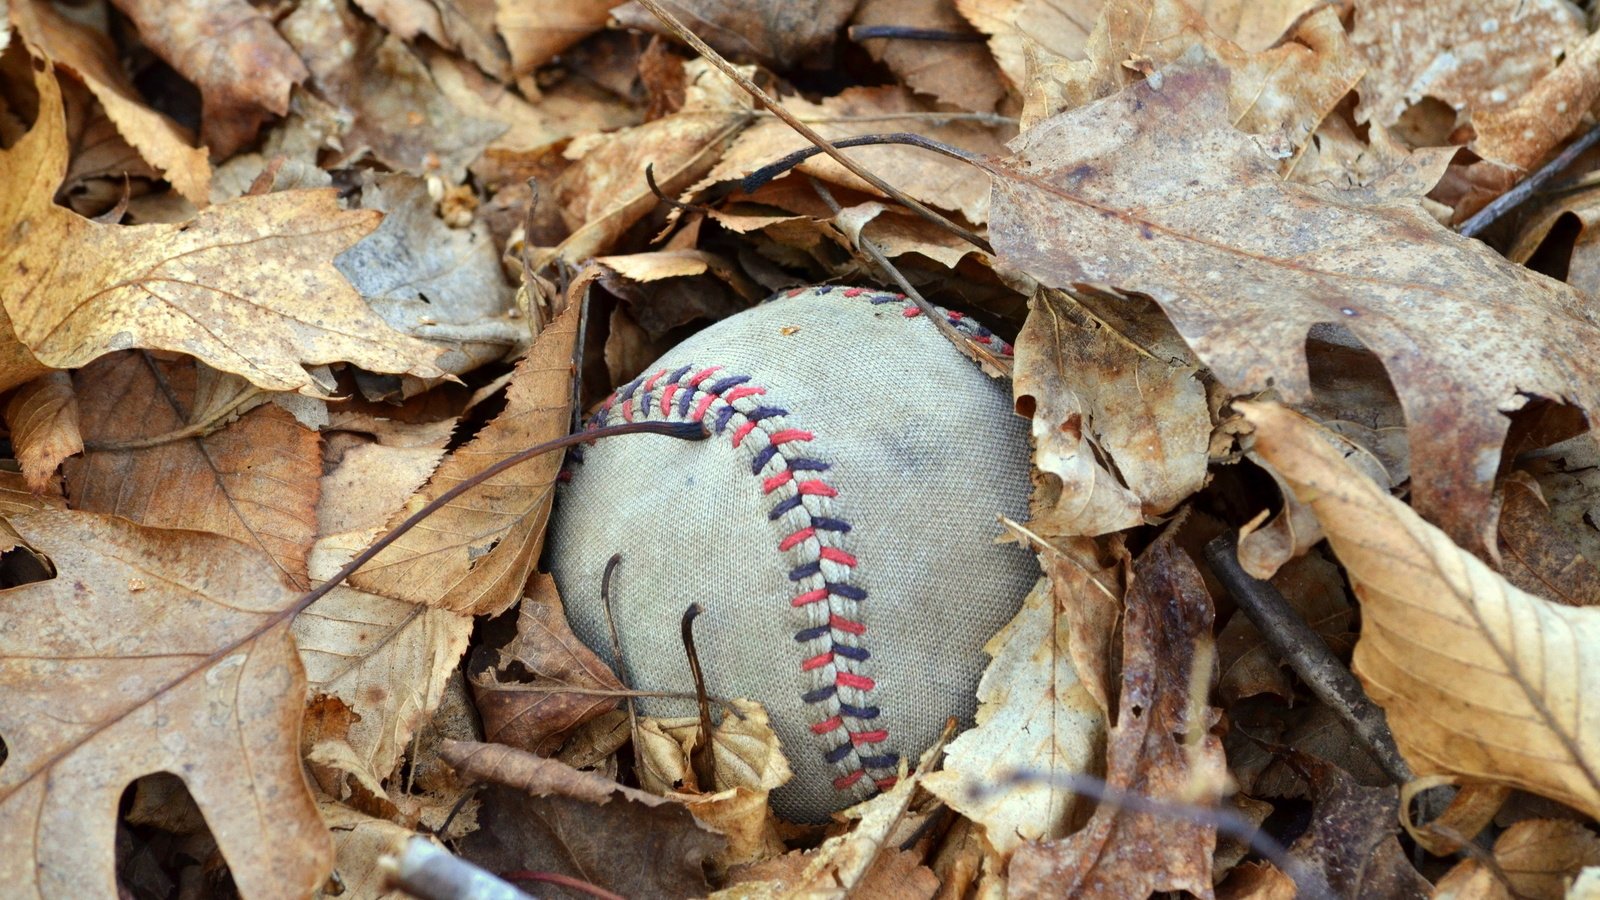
650, 180
1227, 822
962, 342
1296, 643
701, 758
765, 99
750, 183
616, 643
1526, 188
859, 33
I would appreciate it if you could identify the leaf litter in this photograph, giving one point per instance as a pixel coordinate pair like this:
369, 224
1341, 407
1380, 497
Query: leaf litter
345, 256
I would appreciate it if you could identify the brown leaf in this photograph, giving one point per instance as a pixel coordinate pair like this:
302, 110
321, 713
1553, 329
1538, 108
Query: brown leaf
1034, 716
1537, 554
894, 875
1018, 28
151, 651
402, 118
1257, 881
1458, 657
1200, 221
43, 418
1157, 749
538, 715
1313, 588
537, 30
1559, 239
161, 456
1540, 857
1353, 844
359, 842
1120, 431
961, 74
542, 815
778, 35
231, 52
247, 286
91, 56
1516, 136
476, 553
1469, 54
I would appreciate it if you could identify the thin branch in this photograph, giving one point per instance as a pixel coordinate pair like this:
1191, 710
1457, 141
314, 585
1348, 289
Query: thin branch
427, 872
1515, 197
1296, 643
716, 59
859, 33
992, 119
750, 183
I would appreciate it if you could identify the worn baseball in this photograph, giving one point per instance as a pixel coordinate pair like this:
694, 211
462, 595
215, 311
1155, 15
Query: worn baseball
839, 528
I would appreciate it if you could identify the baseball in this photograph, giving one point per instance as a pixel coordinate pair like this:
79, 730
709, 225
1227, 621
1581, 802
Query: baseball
839, 528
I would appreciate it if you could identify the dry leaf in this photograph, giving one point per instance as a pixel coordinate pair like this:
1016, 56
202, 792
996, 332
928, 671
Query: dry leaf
537, 715
1120, 431
247, 286
1352, 844
359, 841
960, 74
777, 35
1160, 747
1047, 28
91, 56
1519, 134
152, 651
1313, 588
43, 418
475, 553
1540, 857
1536, 553
1151, 190
1513, 666
542, 815
537, 30
231, 52
1034, 716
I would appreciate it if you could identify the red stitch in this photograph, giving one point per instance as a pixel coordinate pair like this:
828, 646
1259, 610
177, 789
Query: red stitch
804, 534
810, 597
834, 554
868, 737
817, 487
840, 623
739, 393
701, 407
829, 725
666, 397
854, 292
703, 374
846, 781
627, 409
885, 784
986, 340
956, 317
740, 432
776, 481
818, 661
851, 680
650, 384
790, 434
794, 292
911, 312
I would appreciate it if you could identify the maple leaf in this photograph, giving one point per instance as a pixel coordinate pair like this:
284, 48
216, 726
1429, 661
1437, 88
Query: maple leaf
247, 286
1152, 190
151, 651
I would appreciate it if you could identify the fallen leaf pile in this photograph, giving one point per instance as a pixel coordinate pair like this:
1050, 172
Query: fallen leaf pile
275, 276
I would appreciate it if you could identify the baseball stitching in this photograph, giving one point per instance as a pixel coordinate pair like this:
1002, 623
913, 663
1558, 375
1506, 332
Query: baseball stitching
812, 537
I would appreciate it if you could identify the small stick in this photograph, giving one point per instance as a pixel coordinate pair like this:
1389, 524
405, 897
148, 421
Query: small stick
1294, 641
752, 182
566, 881
616, 643
805, 131
702, 759
859, 33
428, 872
1524, 189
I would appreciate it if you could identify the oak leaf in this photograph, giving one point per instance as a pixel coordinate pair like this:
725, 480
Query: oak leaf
1152, 190
246, 286
1480, 680
150, 651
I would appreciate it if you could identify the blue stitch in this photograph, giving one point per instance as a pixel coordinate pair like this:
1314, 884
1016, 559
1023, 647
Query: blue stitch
762, 458
859, 712
723, 415
820, 694
847, 591
678, 374
785, 506
823, 523
683, 403
801, 573
811, 634
859, 654
644, 406
984, 332
627, 390
763, 412
886, 761
723, 384
881, 299
801, 464
825, 289
838, 753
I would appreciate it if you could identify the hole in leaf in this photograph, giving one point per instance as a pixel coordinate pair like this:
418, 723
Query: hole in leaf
164, 847
1553, 256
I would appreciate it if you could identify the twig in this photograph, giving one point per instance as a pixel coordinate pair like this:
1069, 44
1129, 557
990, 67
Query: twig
859, 33
991, 119
616, 643
1524, 189
750, 183
566, 881
966, 345
1286, 632
427, 872
754, 90
701, 758
650, 181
